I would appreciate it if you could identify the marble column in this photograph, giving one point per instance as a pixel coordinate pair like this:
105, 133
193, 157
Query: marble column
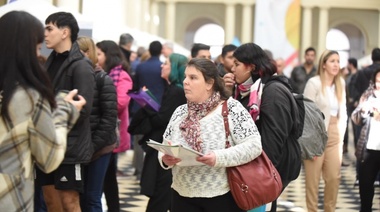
229, 26
73, 5
306, 28
145, 16
322, 29
170, 21
378, 41
154, 18
246, 31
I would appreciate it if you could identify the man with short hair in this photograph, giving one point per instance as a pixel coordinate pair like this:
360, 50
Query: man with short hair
125, 43
68, 69
226, 59
302, 73
280, 63
167, 49
200, 50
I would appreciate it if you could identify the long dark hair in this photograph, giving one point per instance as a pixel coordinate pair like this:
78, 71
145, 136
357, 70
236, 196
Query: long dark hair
114, 56
210, 73
19, 65
251, 53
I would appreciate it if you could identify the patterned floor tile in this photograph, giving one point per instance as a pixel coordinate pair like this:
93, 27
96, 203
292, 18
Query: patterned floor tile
292, 199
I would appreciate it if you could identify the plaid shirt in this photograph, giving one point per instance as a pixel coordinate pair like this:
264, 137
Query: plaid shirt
35, 134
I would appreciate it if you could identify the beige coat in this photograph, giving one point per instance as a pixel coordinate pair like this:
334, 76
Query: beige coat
313, 91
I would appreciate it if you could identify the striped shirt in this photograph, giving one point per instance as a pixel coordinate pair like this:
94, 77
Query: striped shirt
34, 135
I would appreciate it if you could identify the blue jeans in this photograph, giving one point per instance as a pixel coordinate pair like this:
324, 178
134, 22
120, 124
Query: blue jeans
93, 184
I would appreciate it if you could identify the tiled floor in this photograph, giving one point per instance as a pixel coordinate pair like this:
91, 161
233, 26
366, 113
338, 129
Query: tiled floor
292, 199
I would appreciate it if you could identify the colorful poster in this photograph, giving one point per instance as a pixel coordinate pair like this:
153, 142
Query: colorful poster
277, 29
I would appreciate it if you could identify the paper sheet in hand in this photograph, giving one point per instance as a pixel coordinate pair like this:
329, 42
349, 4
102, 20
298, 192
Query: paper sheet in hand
186, 154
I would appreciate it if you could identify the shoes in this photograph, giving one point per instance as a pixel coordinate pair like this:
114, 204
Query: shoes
356, 183
345, 148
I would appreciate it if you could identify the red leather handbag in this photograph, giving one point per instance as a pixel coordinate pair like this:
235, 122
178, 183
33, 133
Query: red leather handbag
255, 183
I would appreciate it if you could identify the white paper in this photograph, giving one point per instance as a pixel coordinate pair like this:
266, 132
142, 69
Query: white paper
186, 154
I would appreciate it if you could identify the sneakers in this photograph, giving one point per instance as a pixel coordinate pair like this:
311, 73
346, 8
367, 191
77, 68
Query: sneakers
376, 183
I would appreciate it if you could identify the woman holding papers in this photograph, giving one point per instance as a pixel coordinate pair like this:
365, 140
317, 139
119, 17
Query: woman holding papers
199, 125
155, 181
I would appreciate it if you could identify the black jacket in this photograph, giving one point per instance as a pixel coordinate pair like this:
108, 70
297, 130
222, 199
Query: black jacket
277, 125
364, 77
76, 72
103, 114
299, 77
153, 176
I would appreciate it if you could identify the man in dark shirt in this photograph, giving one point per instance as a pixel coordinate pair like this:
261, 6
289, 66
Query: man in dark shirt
364, 76
68, 69
125, 43
226, 59
302, 73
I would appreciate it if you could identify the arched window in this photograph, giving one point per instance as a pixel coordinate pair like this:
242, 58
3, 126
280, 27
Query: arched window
212, 35
338, 41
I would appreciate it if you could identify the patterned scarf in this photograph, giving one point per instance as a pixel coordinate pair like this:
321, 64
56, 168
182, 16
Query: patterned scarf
190, 127
255, 99
115, 74
244, 88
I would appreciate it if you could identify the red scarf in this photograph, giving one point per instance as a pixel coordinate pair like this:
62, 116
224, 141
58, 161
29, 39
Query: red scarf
190, 127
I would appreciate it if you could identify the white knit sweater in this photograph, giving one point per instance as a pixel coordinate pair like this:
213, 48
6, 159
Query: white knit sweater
206, 181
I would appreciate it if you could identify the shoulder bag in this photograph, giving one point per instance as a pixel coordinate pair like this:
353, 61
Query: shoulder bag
255, 183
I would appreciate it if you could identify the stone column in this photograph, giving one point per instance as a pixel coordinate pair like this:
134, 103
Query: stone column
72, 4
145, 16
154, 18
170, 21
322, 29
306, 28
229, 26
246, 31
378, 41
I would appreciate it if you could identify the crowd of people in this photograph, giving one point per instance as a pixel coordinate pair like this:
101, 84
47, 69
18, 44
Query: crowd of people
59, 151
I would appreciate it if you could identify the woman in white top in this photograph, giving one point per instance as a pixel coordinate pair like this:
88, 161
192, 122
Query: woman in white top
368, 148
199, 125
326, 89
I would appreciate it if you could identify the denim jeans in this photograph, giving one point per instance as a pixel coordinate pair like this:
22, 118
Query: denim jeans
94, 178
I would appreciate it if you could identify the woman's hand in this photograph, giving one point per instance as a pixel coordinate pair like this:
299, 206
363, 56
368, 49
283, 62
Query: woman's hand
229, 81
208, 159
77, 100
170, 160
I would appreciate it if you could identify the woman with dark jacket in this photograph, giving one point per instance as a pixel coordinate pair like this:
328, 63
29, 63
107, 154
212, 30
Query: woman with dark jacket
367, 152
103, 123
268, 99
112, 61
155, 181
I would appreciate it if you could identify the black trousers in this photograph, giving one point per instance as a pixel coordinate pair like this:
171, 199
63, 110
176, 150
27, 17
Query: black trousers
223, 203
110, 188
367, 174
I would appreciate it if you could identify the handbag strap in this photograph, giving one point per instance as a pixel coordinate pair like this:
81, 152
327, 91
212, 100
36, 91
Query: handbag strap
225, 121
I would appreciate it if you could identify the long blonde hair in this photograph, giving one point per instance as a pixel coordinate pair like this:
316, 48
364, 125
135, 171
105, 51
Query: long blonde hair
322, 73
87, 46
